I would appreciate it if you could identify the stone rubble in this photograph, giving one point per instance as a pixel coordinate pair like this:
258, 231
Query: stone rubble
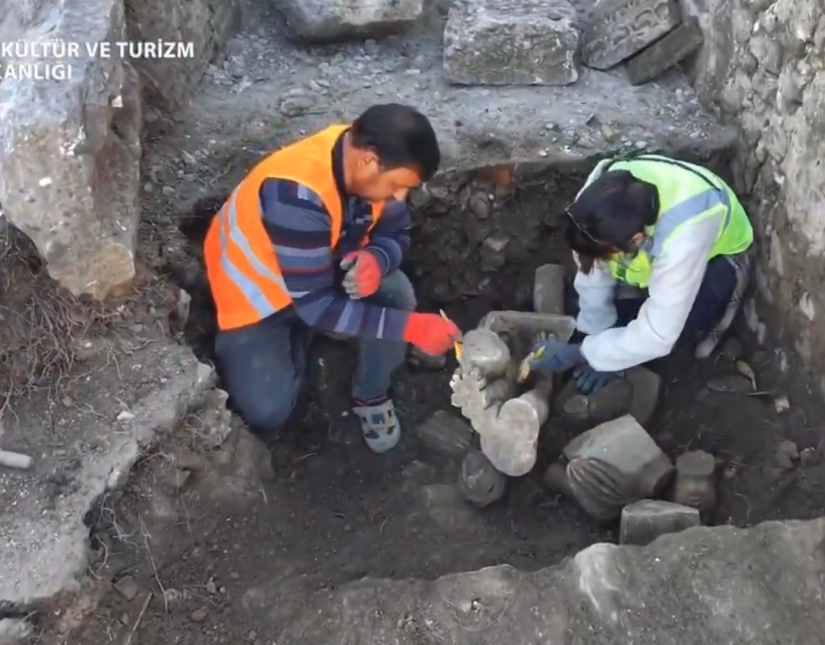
511, 42
321, 21
618, 29
645, 520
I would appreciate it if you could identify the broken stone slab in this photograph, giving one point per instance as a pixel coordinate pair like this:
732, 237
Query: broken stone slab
646, 520
321, 21
732, 581
548, 290
618, 29
70, 150
665, 53
511, 42
615, 464
479, 481
445, 434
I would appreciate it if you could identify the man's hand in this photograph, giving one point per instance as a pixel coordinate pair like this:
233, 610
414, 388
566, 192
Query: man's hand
553, 356
363, 274
589, 381
431, 333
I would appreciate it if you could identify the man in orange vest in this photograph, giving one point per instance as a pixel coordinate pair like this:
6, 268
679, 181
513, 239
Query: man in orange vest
273, 252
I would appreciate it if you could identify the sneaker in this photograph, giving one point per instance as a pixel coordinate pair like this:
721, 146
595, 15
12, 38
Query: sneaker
379, 425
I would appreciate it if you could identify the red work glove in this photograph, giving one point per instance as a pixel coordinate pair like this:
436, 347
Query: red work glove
431, 333
363, 274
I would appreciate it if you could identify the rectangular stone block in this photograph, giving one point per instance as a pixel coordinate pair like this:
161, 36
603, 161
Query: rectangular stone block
665, 53
548, 290
511, 42
70, 147
618, 29
338, 20
648, 519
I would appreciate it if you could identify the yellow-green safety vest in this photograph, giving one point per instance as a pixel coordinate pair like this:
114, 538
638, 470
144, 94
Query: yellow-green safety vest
687, 193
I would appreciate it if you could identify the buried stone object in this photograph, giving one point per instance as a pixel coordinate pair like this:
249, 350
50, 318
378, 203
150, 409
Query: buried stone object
635, 392
445, 434
665, 53
645, 520
695, 485
548, 289
479, 481
615, 464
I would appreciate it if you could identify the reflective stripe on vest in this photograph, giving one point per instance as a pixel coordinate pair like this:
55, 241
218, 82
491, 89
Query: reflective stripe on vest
257, 298
636, 270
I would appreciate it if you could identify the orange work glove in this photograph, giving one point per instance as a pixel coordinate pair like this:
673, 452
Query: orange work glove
363, 274
431, 333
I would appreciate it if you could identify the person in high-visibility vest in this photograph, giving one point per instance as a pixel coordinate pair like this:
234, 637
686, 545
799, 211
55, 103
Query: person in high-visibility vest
676, 241
330, 204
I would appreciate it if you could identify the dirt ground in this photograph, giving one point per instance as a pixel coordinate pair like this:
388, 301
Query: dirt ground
209, 554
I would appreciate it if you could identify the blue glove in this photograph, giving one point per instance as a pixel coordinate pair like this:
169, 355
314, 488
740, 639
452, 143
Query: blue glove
589, 381
556, 357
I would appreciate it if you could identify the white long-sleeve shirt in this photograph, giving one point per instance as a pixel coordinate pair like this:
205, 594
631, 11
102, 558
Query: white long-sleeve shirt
675, 279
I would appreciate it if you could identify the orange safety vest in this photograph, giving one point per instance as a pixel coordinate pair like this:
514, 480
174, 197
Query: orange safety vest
241, 264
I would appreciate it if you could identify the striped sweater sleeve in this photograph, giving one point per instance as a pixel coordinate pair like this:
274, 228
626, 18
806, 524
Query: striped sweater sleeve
298, 225
390, 239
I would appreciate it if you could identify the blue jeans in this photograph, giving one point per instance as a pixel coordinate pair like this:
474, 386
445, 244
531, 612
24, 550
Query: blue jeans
708, 308
263, 366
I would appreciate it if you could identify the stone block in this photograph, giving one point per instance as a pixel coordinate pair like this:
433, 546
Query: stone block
618, 29
644, 521
339, 20
446, 434
615, 464
665, 53
206, 25
70, 149
548, 290
479, 481
511, 42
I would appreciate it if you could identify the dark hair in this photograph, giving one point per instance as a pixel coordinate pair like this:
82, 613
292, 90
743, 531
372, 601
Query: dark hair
400, 136
609, 213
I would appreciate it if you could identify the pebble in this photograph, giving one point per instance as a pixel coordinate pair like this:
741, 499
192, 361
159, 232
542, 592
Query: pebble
199, 615
127, 587
296, 105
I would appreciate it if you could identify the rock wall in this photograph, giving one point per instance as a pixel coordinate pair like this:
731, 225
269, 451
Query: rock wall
762, 66
70, 148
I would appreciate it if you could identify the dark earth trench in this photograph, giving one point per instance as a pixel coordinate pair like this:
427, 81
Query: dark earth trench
222, 559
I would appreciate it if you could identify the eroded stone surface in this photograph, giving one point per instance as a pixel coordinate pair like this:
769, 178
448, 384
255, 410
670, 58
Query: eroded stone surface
615, 464
618, 29
665, 53
511, 42
727, 580
331, 20
70, 150
548, 289
648, 519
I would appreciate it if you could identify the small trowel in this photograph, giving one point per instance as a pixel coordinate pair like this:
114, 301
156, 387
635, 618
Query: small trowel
524, 368
457, 346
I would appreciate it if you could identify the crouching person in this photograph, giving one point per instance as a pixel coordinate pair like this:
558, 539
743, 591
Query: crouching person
663, 250
329, 205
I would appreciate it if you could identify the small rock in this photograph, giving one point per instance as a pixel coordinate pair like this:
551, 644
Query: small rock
789, 448
127, 587
809, 457
296, 105
446, 434
782, 460
781, 404
199, 615
211, 587
646, 520
479, 482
